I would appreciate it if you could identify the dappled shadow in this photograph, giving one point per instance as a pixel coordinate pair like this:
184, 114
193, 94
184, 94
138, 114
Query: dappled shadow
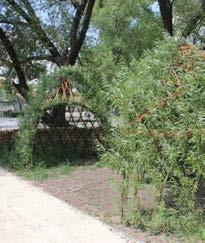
200, 197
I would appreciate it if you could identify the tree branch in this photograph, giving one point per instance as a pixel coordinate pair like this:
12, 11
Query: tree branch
74, 27
35, 24
38, 58
68, 57
76, 21
75, 48
18, 9
12, 22
203, 5
22, 86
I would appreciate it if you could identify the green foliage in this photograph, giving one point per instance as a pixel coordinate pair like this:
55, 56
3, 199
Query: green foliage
39, 103
190, 17
8, 156
158, 136
150, 102
41, 173
169, 220
127, 28
90, 88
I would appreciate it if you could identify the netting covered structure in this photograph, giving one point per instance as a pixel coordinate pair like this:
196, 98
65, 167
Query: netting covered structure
58, 125
68, 128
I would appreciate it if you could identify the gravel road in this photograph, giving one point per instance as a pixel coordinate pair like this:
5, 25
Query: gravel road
29, 215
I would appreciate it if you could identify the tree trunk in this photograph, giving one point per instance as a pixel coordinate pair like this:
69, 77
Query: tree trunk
167, 15
21, 87
58, 116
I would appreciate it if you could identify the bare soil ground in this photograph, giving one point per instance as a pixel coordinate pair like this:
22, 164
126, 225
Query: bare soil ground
90, 189
96, 191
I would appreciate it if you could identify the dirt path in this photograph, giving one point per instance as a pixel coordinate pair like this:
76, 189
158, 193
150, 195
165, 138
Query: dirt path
29, 215
90, 189
96, 191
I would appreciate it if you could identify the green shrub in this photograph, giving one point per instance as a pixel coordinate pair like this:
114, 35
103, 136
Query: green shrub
38, 105
13, 114
159, 134
8, 156
87, 84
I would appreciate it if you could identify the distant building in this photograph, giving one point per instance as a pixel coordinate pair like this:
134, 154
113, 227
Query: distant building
17, 103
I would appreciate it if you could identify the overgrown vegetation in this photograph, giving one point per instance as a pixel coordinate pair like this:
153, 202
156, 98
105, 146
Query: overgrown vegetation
41, 173
44, 99
160, 138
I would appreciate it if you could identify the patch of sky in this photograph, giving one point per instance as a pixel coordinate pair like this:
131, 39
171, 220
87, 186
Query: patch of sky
133, 23
155, 8
93, 36
2, 9
2, 12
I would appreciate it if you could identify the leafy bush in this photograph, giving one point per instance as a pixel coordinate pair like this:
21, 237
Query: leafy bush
87, 82
158, 137
13, 114
8, 156
39, 103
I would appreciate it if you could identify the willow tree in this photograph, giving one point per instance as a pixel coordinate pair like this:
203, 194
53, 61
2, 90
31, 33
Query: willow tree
44, 30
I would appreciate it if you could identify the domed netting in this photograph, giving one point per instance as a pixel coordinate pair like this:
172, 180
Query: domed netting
77, 132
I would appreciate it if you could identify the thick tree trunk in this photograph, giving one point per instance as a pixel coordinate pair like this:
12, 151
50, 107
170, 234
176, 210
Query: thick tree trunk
167, 15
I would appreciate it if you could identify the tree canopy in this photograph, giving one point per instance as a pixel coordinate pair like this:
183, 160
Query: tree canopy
35, 32
31, 31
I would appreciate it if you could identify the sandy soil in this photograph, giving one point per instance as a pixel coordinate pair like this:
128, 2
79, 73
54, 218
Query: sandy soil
29, 215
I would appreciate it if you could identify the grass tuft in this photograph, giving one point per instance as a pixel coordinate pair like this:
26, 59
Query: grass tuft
41, 173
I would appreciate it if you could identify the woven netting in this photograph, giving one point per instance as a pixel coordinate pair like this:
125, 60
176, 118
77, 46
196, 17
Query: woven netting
79, 134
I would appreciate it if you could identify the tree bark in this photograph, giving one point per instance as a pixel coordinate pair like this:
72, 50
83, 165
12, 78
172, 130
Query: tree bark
22, 85
166, 10
75, 48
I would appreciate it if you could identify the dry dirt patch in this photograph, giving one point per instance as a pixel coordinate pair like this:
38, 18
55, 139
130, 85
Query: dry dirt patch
96, 191
90, 189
